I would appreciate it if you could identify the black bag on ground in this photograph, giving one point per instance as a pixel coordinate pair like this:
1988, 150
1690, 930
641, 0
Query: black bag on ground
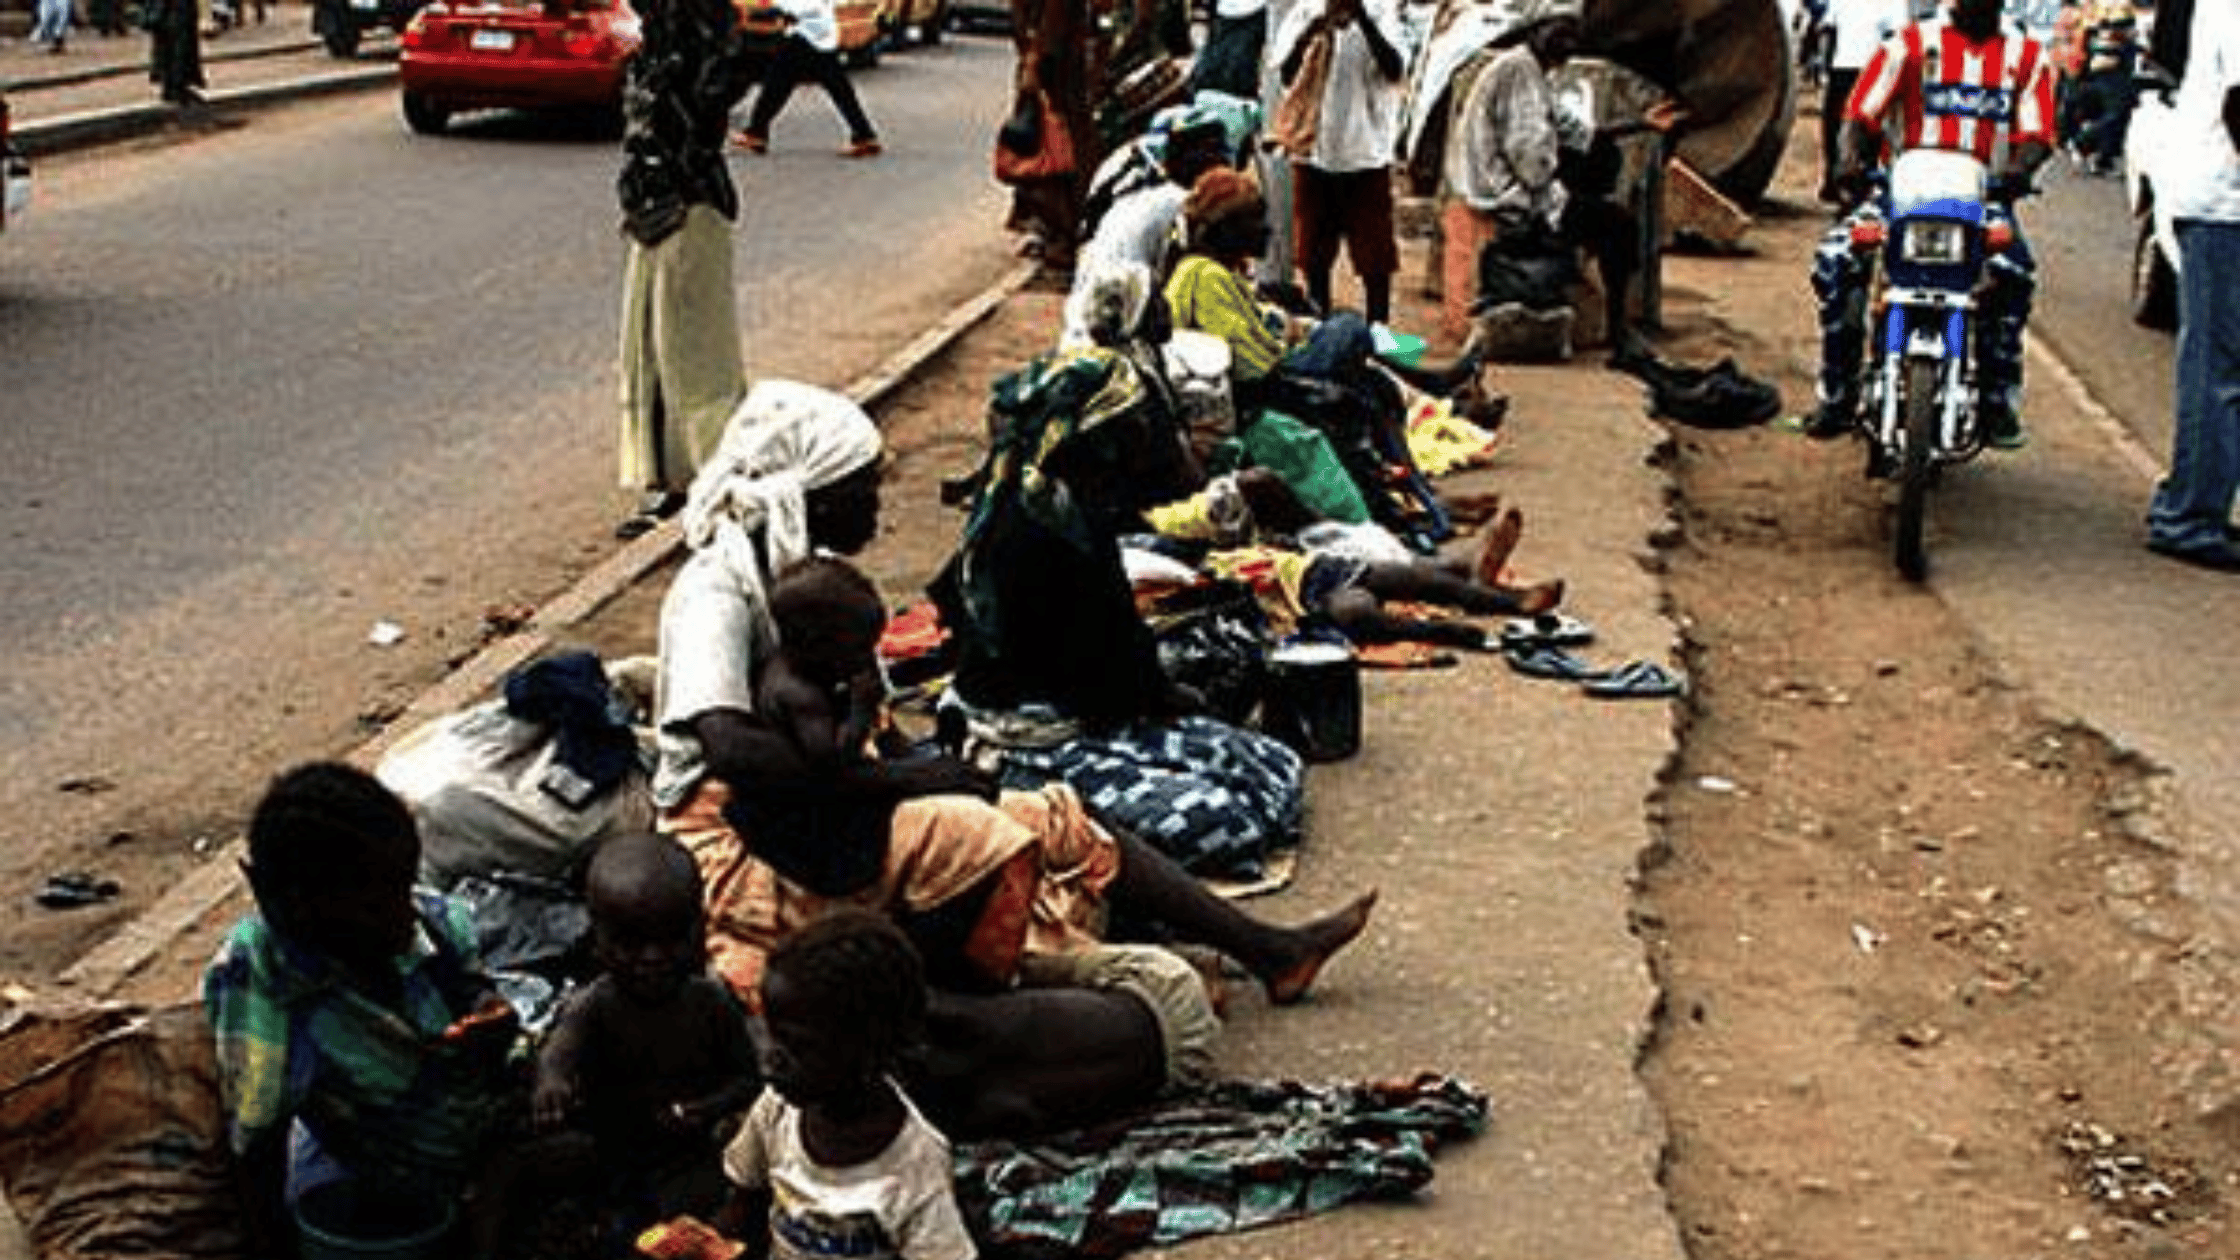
1214, 640
1528, 264
1717, 397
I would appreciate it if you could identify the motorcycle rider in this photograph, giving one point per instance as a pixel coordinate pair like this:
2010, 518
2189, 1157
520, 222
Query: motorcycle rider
1966, 82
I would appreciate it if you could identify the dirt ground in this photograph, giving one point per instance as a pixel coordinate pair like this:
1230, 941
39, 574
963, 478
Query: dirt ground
1924, 981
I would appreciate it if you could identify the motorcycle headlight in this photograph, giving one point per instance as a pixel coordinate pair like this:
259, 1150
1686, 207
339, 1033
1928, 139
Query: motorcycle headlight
1929, 241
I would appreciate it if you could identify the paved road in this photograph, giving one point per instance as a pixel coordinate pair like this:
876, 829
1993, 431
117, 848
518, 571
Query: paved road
271, 384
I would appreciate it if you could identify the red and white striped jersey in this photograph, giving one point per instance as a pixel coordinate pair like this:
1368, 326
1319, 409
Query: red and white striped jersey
1930, 86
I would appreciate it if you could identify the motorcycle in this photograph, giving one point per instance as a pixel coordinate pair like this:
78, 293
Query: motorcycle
1931, 241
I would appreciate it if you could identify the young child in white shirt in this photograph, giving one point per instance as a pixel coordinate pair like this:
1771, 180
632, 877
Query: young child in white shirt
833, 1155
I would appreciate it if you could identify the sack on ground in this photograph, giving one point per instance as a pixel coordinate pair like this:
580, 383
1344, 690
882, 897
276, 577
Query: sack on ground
112, 1137
492, 793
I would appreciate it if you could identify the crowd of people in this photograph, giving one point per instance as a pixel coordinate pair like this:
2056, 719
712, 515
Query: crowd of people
846, 945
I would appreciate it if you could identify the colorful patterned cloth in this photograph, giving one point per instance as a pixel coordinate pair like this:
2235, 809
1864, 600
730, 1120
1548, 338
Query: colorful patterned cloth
1216, 798
1237, 1156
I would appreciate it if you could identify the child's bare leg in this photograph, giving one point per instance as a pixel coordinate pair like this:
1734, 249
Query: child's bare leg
1427, 583
1357, 613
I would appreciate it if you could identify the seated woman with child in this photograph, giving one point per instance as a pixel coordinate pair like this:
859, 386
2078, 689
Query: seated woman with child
1024, 876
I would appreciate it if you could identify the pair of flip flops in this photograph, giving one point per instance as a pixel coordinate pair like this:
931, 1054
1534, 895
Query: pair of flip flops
1630, 681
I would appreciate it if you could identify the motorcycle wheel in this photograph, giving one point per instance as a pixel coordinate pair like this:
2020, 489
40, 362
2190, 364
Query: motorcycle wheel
1917, 468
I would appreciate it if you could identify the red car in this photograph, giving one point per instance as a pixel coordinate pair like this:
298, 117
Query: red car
515, 54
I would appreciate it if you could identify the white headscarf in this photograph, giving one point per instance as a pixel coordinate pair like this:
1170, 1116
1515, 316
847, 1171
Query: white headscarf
1107, 303
785, 439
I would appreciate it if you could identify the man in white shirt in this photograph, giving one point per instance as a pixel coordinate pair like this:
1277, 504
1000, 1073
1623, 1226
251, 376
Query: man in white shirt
1856, 29
1342, 183
809, 49
2197, 183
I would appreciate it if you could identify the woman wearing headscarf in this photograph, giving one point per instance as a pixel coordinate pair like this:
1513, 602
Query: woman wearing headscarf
999, 890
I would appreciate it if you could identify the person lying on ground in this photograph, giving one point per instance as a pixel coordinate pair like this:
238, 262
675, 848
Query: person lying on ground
650, 1062
1309, 573
361, 1049
992, 879
835, 1160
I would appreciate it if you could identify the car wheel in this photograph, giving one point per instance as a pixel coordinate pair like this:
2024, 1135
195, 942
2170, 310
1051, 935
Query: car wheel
341, 39
2154, 284
423, 115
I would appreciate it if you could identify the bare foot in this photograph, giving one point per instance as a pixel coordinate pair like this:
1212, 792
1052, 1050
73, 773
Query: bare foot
1500, 541
1540, 597
1318, 942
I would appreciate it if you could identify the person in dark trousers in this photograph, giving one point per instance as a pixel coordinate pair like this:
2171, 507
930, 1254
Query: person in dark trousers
809, 49
175, 51
2198, 185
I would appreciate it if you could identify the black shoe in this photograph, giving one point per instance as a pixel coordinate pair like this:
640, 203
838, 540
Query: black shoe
2002, 429
654, 507
2222, 557
1829, 421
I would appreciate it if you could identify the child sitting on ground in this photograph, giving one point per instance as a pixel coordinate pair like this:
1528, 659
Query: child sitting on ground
834, 1159
653, 1058
362, 1052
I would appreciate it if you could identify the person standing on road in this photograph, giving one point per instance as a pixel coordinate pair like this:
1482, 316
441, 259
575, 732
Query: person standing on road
2198, 185
175, 51
681, 369
52, 25
1856, 28
809, 49
1344, 51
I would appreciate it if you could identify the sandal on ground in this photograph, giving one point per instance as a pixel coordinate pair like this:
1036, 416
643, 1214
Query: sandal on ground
1541, 661
1635, 680
1549, 629
654, 507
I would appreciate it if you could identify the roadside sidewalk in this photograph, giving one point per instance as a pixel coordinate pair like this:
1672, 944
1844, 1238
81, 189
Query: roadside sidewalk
97, 91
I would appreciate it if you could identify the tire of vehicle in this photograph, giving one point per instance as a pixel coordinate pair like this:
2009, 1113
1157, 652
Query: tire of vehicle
929, 31
2154, 286
1917, 468
341, 39
425, 116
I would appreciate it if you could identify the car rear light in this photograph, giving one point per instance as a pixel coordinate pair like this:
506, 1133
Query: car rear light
1998, 237
1869, 233
581, 39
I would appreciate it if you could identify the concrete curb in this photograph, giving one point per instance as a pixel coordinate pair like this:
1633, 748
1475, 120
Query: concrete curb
116, 70
105, 969
105, 126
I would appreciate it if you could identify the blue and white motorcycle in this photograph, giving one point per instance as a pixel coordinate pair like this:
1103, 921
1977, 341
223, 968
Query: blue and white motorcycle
1931, 244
